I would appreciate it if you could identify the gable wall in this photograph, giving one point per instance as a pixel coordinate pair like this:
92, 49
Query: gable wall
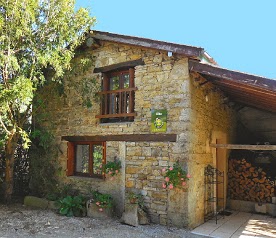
163, 83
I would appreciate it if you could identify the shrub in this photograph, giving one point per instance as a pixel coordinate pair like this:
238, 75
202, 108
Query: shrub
72, 206
112, 168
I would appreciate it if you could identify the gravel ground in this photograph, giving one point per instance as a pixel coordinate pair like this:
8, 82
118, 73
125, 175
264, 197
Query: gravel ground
19, 221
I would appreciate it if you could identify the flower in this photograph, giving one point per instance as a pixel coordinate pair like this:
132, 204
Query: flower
102, 200
163, 170
175, 176
113, 167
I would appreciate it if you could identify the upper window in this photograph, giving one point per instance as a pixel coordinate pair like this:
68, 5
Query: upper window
86, 159
117, 96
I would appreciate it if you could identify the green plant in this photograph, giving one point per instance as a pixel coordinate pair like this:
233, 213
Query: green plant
135, 198
175, 176
72, 206
44, 167
112, 168
103, 201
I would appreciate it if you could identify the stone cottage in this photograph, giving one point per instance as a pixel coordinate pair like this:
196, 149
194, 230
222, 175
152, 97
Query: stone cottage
134, 78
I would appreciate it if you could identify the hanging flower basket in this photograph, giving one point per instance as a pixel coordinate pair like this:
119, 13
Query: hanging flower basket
112, 168
175, 176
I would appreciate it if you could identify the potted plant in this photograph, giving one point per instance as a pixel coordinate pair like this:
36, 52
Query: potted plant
112, 168
100, 205
135, 198
175, 176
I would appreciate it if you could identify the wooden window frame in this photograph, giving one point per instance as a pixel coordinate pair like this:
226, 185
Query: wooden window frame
122, 94
71, 160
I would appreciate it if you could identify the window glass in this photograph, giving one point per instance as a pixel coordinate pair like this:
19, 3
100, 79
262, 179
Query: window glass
126, 80
114, 83
97, 159
82, 158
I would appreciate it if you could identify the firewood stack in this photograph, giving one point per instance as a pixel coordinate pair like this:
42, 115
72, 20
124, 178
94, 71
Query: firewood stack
248, 183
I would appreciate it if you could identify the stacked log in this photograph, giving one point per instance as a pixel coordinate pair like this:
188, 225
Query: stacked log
249, 183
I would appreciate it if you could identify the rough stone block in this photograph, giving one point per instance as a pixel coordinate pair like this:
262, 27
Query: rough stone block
36, 202
129, 184
146, 151
132, 170
158, 207
163, 220
142, 217
130, 215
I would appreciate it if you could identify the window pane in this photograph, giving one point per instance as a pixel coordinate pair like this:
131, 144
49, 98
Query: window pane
114, 83
97, 159
82, 158
126, 80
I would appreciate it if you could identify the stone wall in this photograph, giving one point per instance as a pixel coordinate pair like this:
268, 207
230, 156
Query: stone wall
210, 119
163, 83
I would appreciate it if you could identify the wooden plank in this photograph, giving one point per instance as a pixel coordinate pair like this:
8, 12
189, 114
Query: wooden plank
131, 94
118, 90
105, 99
133, 114
244, 147
124, 137
120, 66
221, 73
70, 159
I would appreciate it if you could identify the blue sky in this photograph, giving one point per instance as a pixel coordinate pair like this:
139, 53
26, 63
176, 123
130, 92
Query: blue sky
239, 34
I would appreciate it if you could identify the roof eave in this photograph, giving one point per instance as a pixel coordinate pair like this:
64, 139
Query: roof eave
189, 51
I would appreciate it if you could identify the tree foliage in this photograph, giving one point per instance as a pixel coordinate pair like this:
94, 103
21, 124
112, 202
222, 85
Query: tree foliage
36, 36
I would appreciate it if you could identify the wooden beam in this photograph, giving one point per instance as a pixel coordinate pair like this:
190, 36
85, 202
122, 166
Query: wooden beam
120, 66
125, 137
244, 147
190, 51
132, 114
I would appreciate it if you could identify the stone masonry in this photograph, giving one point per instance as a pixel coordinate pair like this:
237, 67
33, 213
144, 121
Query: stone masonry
163, 83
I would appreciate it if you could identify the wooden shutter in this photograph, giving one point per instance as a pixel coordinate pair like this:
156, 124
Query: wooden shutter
70, 159
131, 85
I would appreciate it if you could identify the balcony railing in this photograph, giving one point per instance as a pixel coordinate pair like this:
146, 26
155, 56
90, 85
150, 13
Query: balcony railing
117, 103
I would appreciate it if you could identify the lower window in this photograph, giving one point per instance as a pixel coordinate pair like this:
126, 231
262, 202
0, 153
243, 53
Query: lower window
86, 159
